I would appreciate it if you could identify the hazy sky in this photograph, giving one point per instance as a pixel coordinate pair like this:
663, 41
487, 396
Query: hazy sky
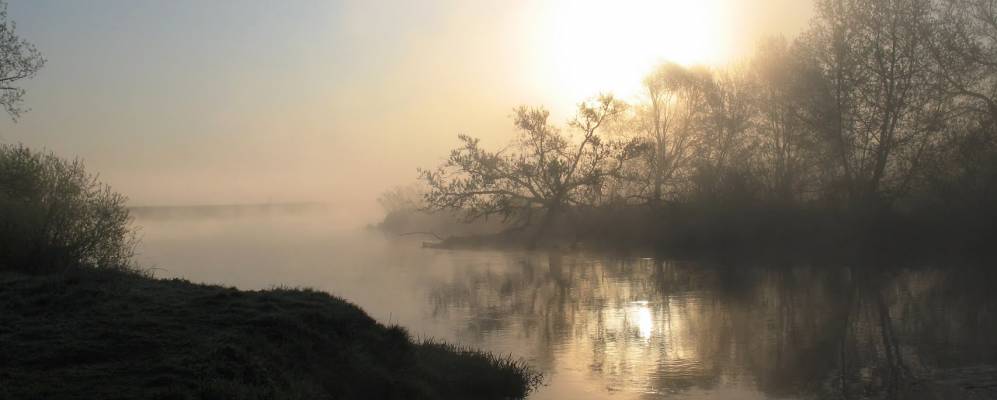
192, 101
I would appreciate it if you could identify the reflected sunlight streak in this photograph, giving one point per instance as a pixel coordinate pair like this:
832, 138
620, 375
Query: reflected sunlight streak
644, 321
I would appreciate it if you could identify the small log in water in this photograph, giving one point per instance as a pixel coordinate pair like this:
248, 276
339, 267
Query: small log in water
433, 234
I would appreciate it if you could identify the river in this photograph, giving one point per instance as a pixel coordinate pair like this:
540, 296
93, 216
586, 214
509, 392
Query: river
605, 326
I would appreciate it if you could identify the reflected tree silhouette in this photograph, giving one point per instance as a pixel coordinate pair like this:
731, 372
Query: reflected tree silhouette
784, 330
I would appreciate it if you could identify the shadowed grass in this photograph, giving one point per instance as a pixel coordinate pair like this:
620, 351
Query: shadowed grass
107, 334
462, 367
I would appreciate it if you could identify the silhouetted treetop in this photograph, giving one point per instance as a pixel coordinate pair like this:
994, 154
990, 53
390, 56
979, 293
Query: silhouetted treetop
19, 60
544, 170
879, 106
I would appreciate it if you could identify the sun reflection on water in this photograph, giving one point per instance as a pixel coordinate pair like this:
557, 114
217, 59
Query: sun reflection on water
642, 319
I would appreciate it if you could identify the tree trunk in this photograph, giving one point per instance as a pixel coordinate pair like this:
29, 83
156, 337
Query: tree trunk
545, 225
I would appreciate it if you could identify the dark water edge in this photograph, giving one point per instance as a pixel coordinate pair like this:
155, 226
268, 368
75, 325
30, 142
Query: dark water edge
107, 334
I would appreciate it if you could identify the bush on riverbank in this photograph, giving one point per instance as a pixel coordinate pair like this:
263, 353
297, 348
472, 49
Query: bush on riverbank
54, 214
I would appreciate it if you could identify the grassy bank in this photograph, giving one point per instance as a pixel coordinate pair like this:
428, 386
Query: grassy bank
101, 334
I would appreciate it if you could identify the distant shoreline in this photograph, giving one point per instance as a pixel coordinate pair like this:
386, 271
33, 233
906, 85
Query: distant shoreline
225, 210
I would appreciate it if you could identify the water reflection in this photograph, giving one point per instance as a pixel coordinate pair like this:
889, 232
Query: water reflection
629, 328
647, 328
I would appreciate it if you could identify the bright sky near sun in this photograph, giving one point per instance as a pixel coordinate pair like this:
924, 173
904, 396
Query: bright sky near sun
190, 101
592, 45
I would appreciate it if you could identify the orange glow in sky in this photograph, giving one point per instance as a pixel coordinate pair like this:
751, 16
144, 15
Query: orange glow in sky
591, 46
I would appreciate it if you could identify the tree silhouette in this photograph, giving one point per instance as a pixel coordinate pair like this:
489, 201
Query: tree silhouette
668, 117
874, 58
879, 109
540, 174
19, 60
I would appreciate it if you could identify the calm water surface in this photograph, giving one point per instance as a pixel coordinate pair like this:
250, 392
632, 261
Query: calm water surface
619, 327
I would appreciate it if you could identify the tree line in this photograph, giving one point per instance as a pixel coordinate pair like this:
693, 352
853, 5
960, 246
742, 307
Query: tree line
880, 106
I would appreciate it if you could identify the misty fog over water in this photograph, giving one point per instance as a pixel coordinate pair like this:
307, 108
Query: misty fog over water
600, 325
552, 199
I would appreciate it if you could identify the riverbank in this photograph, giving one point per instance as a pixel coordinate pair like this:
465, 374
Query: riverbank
107, 334
698, 232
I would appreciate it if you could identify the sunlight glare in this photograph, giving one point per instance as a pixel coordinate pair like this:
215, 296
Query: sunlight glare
595, 46
644, 321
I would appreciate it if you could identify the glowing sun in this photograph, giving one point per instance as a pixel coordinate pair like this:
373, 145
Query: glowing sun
588, 46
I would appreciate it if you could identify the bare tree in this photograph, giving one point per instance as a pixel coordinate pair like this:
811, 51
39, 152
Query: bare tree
723, 144
668, 117
964, 47
543, 172
19, 60
786, 150
875, 61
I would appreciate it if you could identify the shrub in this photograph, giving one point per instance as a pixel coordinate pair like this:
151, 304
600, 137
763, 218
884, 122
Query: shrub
55, 215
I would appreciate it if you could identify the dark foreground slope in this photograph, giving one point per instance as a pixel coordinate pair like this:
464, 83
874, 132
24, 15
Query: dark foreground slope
111, 335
